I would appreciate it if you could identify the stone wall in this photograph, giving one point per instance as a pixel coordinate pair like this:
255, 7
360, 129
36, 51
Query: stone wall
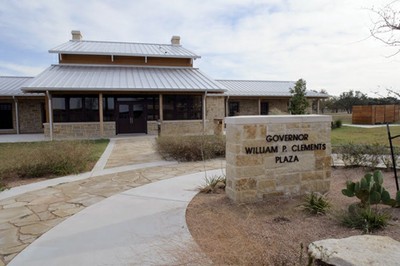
152, 127
30, 116
280, 105
277, 155
215, 113
82, 130
182, 127
247, 106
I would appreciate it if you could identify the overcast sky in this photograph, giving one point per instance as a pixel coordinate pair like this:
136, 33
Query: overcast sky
325, 42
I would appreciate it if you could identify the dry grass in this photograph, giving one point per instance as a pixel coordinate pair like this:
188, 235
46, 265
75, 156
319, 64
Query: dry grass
272, 232
20, 161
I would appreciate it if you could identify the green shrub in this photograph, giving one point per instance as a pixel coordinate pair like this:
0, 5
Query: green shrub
366, 219
337, 124
316, 203
191, 148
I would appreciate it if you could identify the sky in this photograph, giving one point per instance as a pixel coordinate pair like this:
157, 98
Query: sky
325, 42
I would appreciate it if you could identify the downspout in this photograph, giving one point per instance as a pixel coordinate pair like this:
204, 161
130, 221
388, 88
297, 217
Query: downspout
50, 108
16, 114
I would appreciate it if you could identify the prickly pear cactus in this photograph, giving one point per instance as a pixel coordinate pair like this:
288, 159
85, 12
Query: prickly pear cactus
369, 190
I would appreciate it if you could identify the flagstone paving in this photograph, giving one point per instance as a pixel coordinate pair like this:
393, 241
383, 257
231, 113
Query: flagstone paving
25, 217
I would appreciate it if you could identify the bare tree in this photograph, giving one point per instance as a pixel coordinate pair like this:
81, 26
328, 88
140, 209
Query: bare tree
387, 24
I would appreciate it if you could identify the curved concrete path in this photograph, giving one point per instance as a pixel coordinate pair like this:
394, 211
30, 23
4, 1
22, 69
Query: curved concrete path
141, 226
28, 212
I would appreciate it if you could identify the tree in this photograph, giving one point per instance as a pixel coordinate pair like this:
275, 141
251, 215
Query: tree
348, 99
387, 24
298, 103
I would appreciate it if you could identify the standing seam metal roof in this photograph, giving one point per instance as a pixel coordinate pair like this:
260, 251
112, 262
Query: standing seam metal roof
122, 78
11, 86
123, 48
263, 88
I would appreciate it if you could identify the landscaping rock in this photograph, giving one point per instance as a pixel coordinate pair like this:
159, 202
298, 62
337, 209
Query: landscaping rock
357, 250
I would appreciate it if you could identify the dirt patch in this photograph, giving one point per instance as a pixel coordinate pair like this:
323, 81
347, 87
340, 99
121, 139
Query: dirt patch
276, 231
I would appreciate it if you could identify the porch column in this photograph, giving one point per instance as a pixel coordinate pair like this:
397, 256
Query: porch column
318, 106
101, 114
16, 114
160, 104
50, 108
227, 106
204, 111
259, 106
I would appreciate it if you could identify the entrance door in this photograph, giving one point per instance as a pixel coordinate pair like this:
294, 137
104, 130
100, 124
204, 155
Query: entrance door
131, 117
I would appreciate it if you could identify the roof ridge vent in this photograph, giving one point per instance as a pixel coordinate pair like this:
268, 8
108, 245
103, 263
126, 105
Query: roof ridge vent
76, 35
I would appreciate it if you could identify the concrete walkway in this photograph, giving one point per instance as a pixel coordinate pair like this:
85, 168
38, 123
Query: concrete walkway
27, 212
9, 138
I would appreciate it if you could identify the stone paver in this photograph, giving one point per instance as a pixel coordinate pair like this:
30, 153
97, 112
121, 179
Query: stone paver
26, 217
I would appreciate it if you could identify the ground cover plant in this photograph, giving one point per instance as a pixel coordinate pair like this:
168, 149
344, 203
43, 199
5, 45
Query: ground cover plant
47, 159
316, 203
191, 148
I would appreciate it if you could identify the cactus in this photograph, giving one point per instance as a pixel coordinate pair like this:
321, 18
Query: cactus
370, 191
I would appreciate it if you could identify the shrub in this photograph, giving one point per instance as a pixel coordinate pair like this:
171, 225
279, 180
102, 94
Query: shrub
2, 185
369, 155
316, 203
366, 219
213, 184
55, 158
191, 148
337, 124
352, 154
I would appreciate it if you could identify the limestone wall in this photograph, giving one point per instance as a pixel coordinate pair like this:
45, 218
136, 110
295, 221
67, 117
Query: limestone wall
277, 155
280, 105
30, 116
182, 127
81, 130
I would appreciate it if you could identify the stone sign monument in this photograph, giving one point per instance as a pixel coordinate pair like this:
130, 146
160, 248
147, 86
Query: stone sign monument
277, 155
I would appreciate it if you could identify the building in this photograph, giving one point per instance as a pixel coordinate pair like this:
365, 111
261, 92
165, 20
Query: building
103, 89
20, 112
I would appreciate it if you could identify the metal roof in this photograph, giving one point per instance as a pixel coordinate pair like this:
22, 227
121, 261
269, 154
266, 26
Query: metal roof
122, 78
11, 86
123, 48
263, 88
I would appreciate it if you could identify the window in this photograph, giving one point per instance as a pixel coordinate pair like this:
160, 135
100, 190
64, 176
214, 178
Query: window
233, 108
153, 108
264, 108
108, 108
75, 108
182, 107
6, 121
